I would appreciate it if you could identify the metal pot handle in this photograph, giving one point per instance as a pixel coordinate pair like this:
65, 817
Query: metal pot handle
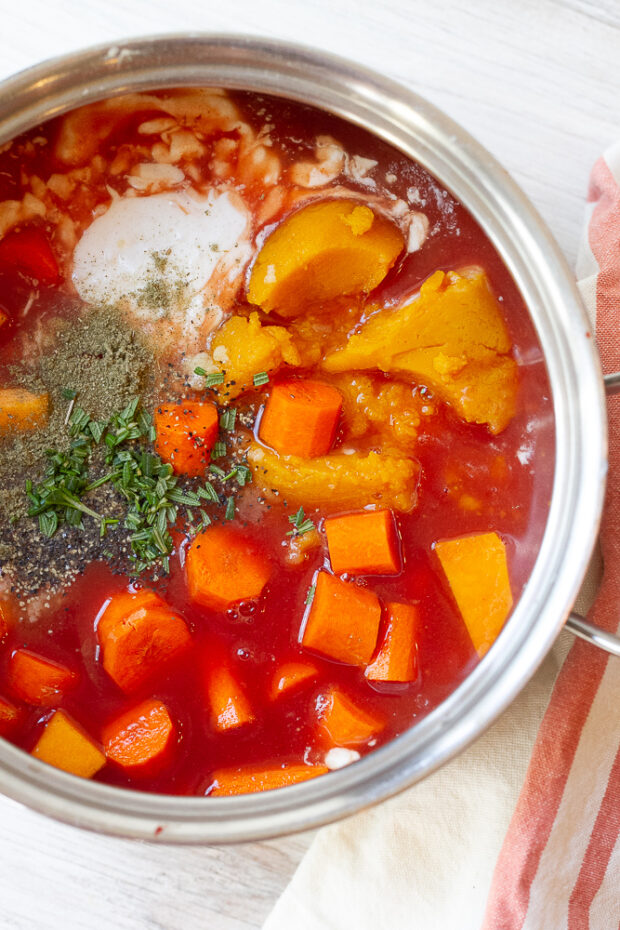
593, 634
575, 623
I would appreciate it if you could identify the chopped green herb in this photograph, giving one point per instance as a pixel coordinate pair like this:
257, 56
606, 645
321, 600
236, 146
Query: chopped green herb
261, 378
213, 378
219, 449
228, 418
208, 493
78, 421
200, 371
310, 594
301, 523
69, 393
48, 523
96, 430
147, 484
243, 474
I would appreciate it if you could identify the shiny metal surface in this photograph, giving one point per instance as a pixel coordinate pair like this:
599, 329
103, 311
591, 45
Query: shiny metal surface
612, 383
419, 130
592, 634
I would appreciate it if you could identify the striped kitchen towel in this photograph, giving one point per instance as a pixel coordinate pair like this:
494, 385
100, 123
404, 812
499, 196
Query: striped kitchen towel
522, 831
560, 862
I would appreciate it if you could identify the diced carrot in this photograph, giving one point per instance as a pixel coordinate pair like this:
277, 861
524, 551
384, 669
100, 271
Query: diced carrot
252, 778
28, 251
363, 543
229, 706
342, 722
37, 680
397, 657
10, 716
141, 739
139, 636
66, 745
123, 604
291, 676
300, 418
186, 433
224, 567
343, 621
22, 410
477, 571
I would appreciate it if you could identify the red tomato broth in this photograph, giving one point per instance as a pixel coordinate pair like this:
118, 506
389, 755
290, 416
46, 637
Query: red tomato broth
456, 459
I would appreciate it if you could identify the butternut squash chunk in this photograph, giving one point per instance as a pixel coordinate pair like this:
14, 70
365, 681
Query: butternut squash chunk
65, 745
337, 482
22, 410
242, 348
477, 571
323, 251
451, 337
394, 410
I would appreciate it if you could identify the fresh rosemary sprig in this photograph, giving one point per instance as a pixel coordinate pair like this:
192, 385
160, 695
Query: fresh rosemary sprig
301, 523
148, 485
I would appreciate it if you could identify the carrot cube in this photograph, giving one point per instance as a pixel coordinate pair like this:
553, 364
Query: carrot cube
22, 410
224, 567
228, 703
65, 745
140, 740
343, 722
397, 657
251, 778
300, 418
343, 621
477, 571
37, 680
139, 636
186, 433
363, 543
10, 716
291, 676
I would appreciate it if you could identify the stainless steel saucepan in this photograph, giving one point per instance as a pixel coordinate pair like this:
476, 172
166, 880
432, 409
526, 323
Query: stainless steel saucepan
417, 129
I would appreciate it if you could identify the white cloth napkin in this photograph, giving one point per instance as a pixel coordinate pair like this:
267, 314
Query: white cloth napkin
424, 860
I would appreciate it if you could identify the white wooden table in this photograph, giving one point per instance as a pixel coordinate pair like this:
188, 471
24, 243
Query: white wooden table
537, 82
